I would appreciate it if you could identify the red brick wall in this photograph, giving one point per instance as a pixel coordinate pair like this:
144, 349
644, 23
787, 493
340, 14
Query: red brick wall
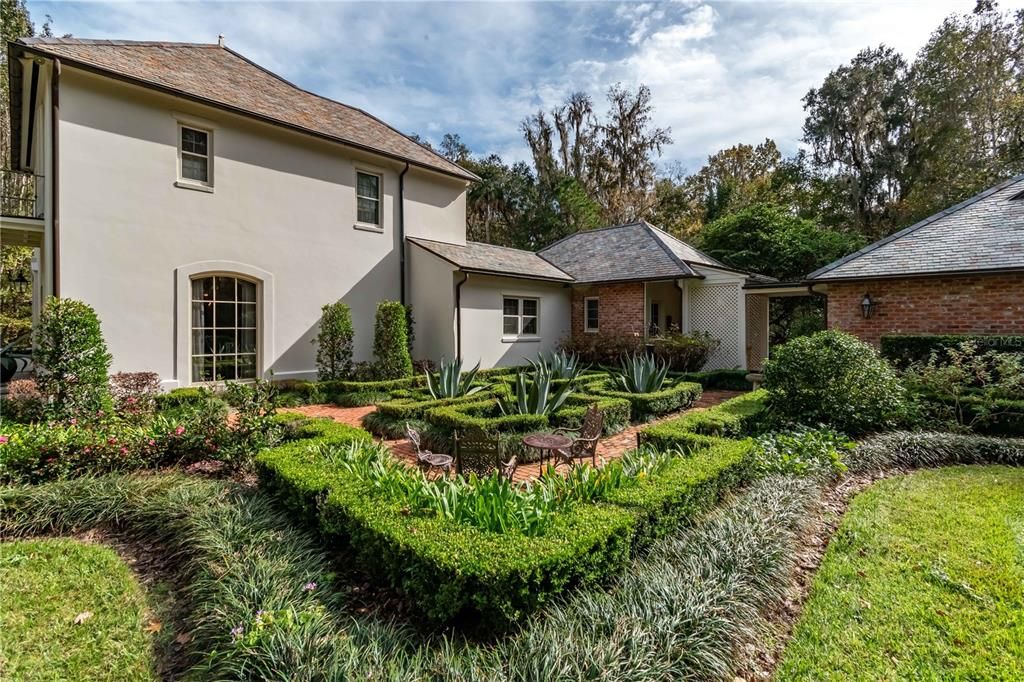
991, 304
620, 308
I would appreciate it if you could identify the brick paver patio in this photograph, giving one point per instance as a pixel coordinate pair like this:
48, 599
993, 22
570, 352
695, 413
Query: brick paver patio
608, 448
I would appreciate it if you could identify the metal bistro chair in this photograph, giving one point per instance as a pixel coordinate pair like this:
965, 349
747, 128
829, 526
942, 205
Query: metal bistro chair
478, 453
425, 459
584, 442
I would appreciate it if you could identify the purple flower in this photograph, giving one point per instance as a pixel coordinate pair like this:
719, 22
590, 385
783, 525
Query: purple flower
309, 587
236, 632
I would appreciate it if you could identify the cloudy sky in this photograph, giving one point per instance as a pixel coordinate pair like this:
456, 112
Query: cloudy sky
720, 72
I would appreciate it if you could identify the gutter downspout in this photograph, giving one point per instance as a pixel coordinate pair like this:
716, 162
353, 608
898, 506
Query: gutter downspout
401, 232
682, 306
54, 170
458, 316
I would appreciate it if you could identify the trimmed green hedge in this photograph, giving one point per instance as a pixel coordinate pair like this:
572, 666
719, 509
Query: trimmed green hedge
615, 410
720, 379
452, 571
904, 349
730, 419
484, 415
644, 405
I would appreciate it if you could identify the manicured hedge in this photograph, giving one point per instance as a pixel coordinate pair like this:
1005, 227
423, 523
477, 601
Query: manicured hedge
644, 405
1008, 420
729, 419
615, 411
484, 415
903, 350
452, 571
720, 379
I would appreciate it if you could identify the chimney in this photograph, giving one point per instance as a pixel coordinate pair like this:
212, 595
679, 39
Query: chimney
220, 40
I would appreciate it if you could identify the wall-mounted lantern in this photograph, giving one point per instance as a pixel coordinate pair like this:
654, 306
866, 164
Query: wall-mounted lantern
19, 281
867, 306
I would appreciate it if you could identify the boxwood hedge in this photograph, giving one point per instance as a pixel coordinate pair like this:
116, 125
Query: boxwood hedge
730, 419
679, 395
451, 571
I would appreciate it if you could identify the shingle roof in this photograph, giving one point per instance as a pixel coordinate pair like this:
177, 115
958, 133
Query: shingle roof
636, 251
221, 77
986, 232
497, 260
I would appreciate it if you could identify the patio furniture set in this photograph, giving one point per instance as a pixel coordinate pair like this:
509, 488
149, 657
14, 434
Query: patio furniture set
481, 453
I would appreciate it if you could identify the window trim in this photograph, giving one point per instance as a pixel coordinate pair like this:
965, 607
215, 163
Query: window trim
189, 183
258, 328
519, 335
360, 224
586, 314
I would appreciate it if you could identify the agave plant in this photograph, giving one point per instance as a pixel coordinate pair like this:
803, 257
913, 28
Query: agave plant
560, 365
641, 374
451, 382
536, 395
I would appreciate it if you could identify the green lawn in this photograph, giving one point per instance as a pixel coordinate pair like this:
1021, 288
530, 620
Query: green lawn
46, 584
924, 580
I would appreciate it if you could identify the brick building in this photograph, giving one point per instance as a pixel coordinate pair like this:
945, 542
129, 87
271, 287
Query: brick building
960, 271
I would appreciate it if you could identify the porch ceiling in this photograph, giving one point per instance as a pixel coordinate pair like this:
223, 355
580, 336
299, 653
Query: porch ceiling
21, 232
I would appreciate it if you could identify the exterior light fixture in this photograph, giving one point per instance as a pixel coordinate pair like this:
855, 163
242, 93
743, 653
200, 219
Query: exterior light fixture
867, 305
19, 281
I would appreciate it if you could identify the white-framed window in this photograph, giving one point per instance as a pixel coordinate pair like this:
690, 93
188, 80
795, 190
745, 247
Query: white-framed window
591, 314
195, 156
225, 333
368, 198
520, 316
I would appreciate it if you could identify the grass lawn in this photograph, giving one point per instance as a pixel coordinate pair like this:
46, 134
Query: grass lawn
46, 585
924, 580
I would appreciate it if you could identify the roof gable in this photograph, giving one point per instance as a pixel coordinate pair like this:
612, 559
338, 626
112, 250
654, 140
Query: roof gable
635, 251
219, 76
985, 232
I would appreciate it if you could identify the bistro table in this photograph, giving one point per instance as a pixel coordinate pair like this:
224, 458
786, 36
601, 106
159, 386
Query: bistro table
546, 442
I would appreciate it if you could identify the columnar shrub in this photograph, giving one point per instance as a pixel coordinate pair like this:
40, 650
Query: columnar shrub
71, 358
834, 379
334, 342
391, 341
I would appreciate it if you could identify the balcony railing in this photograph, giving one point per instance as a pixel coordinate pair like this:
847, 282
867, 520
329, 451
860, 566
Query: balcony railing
20, 194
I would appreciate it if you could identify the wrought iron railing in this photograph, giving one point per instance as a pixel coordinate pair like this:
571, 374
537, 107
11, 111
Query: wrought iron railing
20, 194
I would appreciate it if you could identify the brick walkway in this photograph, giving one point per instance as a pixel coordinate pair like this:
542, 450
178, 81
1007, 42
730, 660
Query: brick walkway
608, 448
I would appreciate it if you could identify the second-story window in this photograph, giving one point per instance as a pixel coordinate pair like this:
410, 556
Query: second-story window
195, 155
368, 198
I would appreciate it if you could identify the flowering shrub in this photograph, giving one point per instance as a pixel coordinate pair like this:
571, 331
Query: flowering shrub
134, 394
24, 402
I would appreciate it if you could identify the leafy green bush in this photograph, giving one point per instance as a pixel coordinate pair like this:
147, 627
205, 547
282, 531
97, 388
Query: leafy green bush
720, 379
71, 359
683, 352
334, 342
451, 382
964, 390
603, 349
391, 342
641, 374
254, 428
732, 418
905, 350
134, 395
801, 452
292, 393
833, 378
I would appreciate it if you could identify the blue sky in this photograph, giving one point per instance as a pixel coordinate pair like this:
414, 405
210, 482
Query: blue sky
720, 72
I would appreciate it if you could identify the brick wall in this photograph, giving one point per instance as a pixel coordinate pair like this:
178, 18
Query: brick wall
991, 304
620, 308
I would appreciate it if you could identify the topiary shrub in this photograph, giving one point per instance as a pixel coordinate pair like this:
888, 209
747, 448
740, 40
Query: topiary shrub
391, 342
835, 379
71, 359
334, 342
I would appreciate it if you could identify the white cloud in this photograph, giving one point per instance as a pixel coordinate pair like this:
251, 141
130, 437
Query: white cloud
720, 73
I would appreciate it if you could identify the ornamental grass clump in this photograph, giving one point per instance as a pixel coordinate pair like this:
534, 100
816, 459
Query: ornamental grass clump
641, 374
451, 381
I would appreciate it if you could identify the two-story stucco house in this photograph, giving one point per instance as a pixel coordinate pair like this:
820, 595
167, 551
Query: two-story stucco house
207, 209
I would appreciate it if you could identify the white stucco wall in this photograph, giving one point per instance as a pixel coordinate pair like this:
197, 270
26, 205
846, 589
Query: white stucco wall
432, 295
482, 337
283, 203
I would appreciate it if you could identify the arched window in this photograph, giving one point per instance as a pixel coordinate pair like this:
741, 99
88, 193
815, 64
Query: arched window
225, 337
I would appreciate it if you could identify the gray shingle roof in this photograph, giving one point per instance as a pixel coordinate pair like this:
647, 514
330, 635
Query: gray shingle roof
637, 251
222, 77
986, 232
497, 260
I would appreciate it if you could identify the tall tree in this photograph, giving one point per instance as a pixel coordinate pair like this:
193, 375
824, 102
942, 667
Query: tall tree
858, 128
968, 88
